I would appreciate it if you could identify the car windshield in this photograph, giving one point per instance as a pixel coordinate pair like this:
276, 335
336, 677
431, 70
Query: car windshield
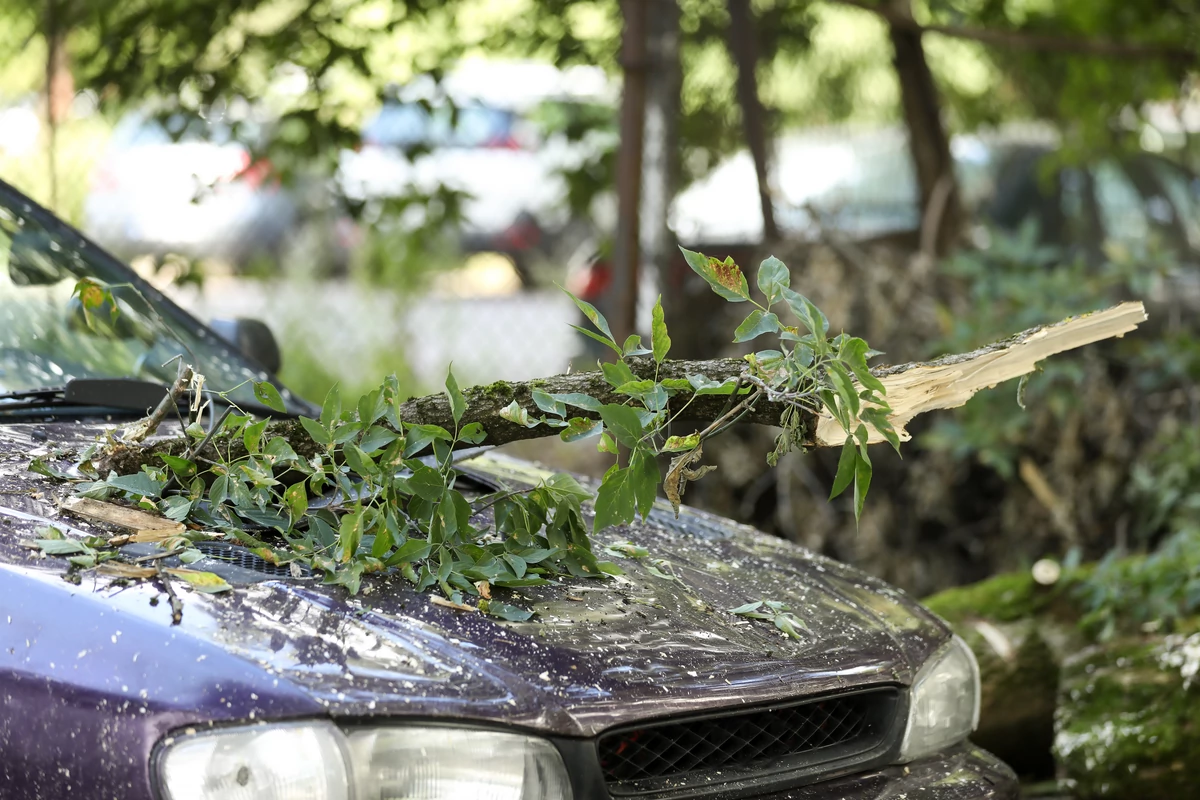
47, 337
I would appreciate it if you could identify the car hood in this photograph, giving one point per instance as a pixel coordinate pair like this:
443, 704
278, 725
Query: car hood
657, 641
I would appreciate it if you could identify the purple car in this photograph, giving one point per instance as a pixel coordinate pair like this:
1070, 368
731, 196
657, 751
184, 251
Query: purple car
644, 686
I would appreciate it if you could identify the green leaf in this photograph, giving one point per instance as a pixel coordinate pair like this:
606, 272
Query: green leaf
517, 415
597, 337
748, 608
458, 403
616, 500
331, 409
412, 550
878, 418
844, 388
427, 483
371, 407
177, 508
862, 481
182, 467
626, 549
280, 452
61, 547
681, 444
773, 278
623, 423
854, 353
376, 438
296, 498
756, 325
350, 534
268, 395
703, 385
136, 484
472, 433
40, 467
617, 374
723, 276
548, 404
644, 476
252, 436
845, 469
516, 564
596, 318
344, 432
807, 313
219, 492
419, 436
190, 556
504, 611
207, 582
359, 461
606, 444
580, 428
584, 401
661, 342
383, 542
633, 346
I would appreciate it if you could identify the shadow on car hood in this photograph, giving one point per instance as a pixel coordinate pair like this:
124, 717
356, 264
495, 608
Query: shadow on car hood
657, 641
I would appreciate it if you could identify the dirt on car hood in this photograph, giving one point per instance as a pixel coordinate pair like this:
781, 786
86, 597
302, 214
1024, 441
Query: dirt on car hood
657, 641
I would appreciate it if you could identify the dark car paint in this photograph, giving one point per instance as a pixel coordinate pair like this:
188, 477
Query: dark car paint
93, 675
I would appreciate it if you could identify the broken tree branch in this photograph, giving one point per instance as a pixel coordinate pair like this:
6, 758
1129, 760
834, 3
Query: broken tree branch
911, 389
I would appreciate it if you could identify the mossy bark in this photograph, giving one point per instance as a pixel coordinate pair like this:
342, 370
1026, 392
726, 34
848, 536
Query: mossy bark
1128, 720
1115, 719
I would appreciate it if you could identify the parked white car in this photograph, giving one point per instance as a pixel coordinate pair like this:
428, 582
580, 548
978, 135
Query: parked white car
482, 132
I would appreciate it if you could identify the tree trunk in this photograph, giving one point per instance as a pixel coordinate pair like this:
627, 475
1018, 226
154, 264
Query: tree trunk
912, 389
626, 250
743, 46
941, 213
660, 167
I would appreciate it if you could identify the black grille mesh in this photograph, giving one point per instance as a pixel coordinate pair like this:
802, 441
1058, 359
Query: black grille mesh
241, 557
673, 750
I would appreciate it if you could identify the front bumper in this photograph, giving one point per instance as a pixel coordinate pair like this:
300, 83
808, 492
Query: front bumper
964, 772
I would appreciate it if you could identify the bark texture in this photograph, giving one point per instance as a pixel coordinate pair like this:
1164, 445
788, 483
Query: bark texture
911, 388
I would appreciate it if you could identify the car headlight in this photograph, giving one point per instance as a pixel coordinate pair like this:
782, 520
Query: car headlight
317, 761
943, 704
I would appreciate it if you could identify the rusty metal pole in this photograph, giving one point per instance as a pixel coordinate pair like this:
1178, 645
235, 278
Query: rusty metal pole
626, 251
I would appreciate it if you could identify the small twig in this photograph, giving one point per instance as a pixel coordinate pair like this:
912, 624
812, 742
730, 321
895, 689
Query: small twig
176, 603
139, 431
157, 556
191, 454
503, 496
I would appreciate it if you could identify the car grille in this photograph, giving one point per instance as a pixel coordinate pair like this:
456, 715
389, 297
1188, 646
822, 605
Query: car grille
241, 557
823, 733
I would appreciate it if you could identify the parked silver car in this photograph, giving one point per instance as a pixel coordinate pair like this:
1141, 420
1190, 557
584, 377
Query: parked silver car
186, 184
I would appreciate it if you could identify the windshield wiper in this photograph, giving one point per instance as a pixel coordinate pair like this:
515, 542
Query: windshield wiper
106, 395
121, 394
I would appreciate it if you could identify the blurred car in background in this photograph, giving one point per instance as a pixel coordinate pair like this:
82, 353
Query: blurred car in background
501, 139
861, 185
181, 183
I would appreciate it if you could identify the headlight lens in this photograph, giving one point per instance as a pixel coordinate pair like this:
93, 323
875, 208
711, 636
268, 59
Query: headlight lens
266, 762
317, 761
437, 763
943, 702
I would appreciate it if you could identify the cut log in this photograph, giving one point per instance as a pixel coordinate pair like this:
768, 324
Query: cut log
911, 389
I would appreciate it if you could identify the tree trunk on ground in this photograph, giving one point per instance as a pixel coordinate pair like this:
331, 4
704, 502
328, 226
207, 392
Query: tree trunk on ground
941, 212
743, 46
911, 389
